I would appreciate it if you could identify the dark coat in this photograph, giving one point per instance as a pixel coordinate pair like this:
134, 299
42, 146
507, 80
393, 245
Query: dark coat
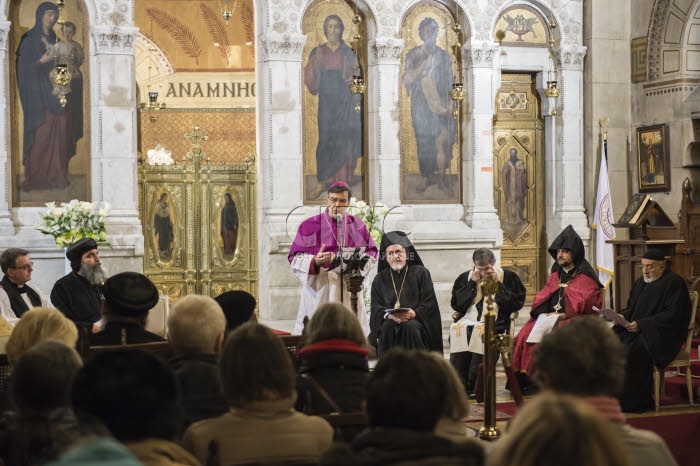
198, 379
77, 299
340, 368
662, 310
399, 447
510, 298
112, 335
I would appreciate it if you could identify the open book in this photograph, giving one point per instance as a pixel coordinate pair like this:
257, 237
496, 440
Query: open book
612, 316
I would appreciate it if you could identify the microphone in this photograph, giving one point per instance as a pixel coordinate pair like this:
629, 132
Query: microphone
339, 226
338, 219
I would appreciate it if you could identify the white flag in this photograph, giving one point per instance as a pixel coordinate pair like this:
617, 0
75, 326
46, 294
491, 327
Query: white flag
603, 223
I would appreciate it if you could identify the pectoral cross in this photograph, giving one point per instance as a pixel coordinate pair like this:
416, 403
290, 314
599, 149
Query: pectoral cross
397, 305
557, 307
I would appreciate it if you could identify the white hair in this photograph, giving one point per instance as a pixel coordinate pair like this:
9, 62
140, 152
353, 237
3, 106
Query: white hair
195, 323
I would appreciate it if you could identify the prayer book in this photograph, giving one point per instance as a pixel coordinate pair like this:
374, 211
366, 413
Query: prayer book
545, 323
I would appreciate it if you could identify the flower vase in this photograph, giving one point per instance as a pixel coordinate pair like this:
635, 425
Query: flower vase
66, 263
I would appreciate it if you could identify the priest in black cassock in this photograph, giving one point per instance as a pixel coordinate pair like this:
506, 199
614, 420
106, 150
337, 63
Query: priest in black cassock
405, 311
658, 313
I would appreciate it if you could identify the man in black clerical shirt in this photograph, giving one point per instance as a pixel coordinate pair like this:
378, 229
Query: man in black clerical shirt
405, 311
77, 295
658, 313
128, 298
16, 297
468, 303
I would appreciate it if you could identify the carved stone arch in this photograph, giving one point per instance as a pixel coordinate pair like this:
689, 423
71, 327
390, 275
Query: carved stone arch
657, 28
365, 7
544, 10
451, 5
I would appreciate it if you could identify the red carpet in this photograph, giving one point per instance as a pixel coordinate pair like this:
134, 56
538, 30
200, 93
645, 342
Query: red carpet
680, 431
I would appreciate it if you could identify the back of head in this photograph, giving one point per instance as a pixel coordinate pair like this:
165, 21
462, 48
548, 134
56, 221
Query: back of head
238, 307
334, 321
255, 366
129, 294
555, 429
456, 403
407, 390
195, 325
132, 392
37, 325
42, 378
583, 358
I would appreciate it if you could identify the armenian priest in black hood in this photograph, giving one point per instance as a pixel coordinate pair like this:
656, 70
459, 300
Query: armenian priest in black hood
572, 290
405, 311
658, 314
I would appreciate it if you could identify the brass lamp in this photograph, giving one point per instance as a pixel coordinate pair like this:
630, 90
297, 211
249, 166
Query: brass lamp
225, 12
457, 94
61, 77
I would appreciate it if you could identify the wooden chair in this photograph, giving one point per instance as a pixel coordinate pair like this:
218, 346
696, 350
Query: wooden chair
161, 349
682, 359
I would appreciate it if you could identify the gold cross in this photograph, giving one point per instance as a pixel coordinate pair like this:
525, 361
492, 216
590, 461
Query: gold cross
196, 136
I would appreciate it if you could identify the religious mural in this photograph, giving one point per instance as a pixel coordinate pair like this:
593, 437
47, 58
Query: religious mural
163, 228
228, 220
49, 82
333, 116
521, 25
430, 157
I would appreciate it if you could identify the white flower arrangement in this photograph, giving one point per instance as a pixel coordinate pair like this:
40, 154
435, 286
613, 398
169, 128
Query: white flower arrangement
159, 156
74, 220
372, 216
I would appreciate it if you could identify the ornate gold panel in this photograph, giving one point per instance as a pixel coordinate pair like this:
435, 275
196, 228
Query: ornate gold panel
518, 152
199, 225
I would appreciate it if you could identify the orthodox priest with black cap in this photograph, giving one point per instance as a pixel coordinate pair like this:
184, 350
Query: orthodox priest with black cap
658, 313
405, 311
77, 295
572, 290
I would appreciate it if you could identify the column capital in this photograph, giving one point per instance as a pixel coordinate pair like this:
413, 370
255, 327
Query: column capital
570, 57
110, 40
480, 54
284, 47
385, 50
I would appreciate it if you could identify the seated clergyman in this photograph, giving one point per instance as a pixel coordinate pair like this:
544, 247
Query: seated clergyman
405, 311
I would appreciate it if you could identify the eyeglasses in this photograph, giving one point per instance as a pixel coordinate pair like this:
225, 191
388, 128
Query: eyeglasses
25, 267
649, 266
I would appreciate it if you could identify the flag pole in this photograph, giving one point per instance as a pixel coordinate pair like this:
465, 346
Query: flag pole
604, 123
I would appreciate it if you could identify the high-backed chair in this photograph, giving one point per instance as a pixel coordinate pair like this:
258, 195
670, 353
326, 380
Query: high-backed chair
682, 359
157, 321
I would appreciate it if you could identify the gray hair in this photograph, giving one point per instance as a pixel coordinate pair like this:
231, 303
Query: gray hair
195, 324
483, 255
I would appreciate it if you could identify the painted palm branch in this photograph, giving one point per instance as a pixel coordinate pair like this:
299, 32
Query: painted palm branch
183, 35
217, 30
248, 21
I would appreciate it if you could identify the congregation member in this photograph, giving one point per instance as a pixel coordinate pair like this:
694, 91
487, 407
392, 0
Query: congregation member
554, 429
77, 294
16, 296
468, 304
585, 359
36, 326
405, 311
238, 307
333, 365
313, 253
407, 394
451, 424
196, 328
658, 313
261, 426
571, 291
134, 394
128, 296
42, 425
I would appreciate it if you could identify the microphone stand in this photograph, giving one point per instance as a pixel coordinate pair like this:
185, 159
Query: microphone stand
339, 226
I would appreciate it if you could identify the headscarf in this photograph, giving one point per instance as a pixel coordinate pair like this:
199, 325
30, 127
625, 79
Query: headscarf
397, 237
569, 239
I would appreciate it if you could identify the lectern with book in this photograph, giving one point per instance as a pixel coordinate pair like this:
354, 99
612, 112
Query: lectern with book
649, 227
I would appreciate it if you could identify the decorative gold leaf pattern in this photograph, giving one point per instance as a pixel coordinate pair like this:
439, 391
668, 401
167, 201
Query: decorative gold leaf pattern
179, 31
248, 21
217, 30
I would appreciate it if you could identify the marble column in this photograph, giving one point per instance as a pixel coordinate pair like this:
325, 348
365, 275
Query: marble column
6, 227
280, 168
383, 115
483, 78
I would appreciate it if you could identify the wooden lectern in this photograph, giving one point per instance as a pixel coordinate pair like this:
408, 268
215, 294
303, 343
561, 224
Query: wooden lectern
649, 227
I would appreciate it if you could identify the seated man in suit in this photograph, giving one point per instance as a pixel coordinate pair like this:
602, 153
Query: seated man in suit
128, 296
658, 313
